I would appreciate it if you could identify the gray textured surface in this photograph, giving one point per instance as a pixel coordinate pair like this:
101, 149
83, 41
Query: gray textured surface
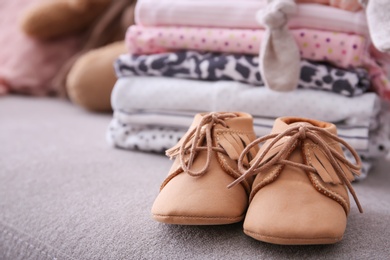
65, 194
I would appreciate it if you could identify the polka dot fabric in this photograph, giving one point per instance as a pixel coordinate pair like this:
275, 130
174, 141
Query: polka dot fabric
340, 49
141, 137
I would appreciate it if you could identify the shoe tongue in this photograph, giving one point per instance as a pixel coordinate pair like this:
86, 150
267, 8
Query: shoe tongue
280, 125
243, 123
299, 124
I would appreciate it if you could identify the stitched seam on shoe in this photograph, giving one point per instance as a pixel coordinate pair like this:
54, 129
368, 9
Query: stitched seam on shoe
234, 131
329, 193
321, 188
267, 180
287, 238
225, 166
190, 216
272, 176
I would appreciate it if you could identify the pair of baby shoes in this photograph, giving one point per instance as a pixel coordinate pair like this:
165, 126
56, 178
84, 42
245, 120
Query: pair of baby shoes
292, 190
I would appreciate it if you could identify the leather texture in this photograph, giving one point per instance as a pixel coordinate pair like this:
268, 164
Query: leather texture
204, 199
290, 205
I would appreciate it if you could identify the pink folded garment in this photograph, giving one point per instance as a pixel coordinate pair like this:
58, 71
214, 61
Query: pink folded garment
350, 5
343, 50
28, 66
241, 14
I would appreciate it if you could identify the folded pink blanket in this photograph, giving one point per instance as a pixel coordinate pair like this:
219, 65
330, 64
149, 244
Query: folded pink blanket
241, 14
27, 66
343, 50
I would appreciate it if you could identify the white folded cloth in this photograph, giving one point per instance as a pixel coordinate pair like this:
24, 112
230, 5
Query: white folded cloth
172, 102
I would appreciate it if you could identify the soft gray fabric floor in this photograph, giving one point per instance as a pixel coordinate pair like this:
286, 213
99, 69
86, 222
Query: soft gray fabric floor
65, 194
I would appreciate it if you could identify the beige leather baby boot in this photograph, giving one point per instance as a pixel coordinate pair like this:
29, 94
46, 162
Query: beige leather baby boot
195, 191
299, 195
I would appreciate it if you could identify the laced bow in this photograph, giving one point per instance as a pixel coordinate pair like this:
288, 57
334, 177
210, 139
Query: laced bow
296, 134
197, 135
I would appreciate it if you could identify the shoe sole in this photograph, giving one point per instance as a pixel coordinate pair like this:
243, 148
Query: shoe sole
196, 220
292, 241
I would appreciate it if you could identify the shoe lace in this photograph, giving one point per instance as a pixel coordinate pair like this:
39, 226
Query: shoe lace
300, 132
192, 143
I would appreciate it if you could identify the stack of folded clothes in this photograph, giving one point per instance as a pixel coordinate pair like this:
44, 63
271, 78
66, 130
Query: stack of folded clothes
187, 57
